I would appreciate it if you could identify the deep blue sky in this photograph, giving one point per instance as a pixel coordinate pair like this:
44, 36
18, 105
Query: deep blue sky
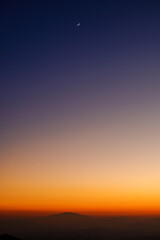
80, 106
50, 67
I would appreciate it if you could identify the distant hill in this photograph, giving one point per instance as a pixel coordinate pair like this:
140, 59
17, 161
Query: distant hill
68, 220
67, 215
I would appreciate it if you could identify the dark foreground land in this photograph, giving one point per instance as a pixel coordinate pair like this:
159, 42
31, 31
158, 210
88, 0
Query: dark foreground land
79, 227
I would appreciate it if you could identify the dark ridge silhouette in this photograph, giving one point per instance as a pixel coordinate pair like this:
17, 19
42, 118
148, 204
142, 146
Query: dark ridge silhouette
8, 237
74, 226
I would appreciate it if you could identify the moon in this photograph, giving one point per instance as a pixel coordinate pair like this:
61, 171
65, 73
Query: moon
78, 24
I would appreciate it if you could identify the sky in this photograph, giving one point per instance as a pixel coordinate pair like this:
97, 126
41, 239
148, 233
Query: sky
80, 106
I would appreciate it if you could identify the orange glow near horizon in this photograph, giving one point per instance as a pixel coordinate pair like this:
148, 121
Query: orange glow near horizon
80, 113
110, 169
82, 201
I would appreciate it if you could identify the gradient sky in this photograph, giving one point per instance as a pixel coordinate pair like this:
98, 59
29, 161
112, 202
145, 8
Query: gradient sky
80, 106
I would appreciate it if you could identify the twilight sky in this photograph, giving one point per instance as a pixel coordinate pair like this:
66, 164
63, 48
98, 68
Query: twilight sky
80, 106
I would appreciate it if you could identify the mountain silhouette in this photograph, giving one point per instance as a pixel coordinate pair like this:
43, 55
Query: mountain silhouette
69, 216
68, 220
